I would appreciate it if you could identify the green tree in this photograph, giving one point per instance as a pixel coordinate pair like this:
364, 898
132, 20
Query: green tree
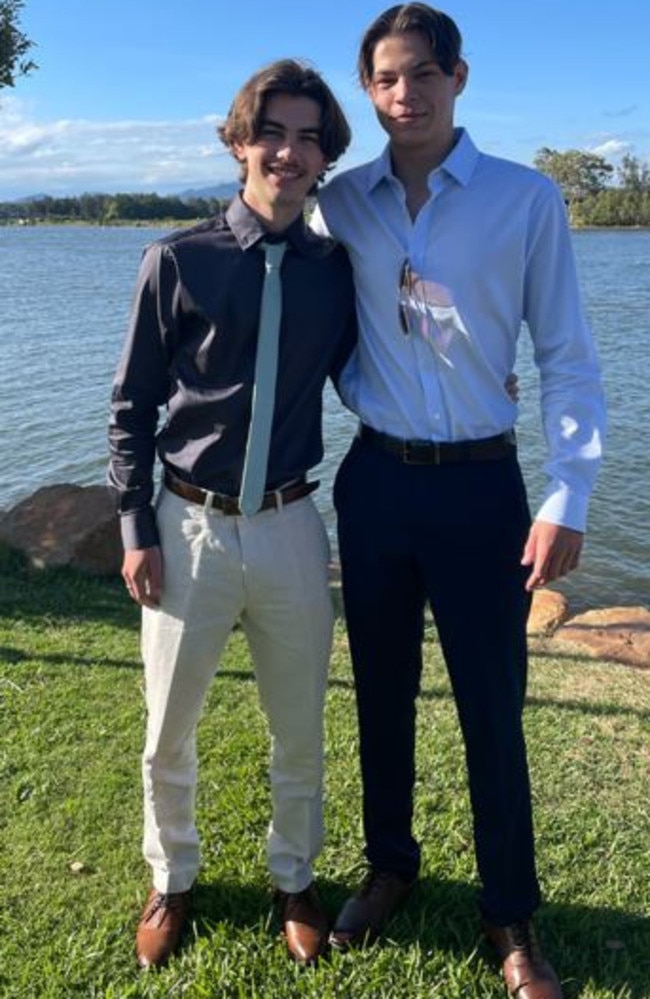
633, 175
578, 174
14, 45
92, 207
615, 206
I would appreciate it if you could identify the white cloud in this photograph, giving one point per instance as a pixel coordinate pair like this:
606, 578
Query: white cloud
611, 148
70, 156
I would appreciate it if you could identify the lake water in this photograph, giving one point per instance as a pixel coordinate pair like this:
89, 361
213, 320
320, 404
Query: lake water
65, 294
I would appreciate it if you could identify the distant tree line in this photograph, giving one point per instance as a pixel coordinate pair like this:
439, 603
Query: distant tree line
595, 192
585, 180
108, 209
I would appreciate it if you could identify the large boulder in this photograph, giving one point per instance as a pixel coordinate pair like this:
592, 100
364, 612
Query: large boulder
619, 634
66, 525
548, 611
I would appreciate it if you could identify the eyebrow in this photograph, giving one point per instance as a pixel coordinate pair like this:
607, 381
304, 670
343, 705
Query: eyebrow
308, 130
410, 69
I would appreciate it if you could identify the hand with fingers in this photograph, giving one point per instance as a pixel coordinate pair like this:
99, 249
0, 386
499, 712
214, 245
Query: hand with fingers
552, 551
142, 574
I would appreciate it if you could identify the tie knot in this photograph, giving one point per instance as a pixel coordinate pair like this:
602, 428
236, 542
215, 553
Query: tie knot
273, 254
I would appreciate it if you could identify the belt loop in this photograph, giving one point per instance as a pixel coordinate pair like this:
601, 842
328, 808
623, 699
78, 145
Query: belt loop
279, 502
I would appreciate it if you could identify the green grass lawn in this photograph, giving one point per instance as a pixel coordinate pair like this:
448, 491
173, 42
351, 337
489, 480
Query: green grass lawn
72, 881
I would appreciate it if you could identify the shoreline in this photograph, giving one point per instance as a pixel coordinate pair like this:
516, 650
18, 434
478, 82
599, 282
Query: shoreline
24, 223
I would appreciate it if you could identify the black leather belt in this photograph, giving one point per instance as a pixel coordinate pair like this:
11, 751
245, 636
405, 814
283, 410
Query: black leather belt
420, 452
230, 504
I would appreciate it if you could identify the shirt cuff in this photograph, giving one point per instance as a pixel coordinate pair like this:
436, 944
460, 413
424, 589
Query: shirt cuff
139, 529
565, 507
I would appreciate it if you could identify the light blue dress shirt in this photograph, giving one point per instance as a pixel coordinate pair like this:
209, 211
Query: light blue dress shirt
490, 250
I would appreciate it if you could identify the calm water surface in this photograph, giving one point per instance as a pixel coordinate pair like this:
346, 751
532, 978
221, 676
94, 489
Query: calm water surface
66, 292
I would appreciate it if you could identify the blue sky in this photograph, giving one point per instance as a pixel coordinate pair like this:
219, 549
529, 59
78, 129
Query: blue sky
128, 92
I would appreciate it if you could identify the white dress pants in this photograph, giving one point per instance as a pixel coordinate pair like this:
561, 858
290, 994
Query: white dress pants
270, 573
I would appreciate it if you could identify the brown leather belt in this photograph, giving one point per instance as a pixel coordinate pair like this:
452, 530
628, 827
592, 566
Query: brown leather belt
420, 452
229, 505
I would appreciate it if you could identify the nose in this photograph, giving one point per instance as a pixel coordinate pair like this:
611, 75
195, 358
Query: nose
288, 148
404, 91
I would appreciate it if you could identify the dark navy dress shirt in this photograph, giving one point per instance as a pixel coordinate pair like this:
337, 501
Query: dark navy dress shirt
190, 349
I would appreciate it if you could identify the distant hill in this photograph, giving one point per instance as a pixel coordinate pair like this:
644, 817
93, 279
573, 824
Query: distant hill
22, 201
221, 191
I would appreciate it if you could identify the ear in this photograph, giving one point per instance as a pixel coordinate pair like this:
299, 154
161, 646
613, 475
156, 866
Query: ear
461, 73
239, 151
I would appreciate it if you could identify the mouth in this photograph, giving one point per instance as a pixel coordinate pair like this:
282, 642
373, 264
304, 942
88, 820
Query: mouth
408, 119
285, 173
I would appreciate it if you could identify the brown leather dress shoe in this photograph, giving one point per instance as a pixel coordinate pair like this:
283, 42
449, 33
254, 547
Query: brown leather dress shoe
365, 915
527, 974
160, 926
304, 924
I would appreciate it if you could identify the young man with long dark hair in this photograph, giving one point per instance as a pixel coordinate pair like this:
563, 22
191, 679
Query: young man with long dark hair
452, 251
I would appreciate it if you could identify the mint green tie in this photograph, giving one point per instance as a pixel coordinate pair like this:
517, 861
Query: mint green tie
266, 367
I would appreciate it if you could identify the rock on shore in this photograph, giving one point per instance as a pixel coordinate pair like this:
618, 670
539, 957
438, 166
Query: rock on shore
66, 525
618, 634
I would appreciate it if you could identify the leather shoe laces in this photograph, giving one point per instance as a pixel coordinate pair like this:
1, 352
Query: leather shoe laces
304, 924
524, 938
165, 900
528, 975
365, 914
375, 883
160, 927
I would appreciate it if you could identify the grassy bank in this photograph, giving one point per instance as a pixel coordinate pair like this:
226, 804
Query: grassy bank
73, 881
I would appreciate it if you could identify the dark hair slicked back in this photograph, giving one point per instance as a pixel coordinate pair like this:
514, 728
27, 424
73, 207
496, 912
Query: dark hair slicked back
438, 28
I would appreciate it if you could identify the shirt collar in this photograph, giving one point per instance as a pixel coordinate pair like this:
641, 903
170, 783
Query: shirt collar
248, 231
459, 164
463, 158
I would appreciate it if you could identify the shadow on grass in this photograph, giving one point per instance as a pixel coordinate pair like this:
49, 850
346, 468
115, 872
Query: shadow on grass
61, 593
607, 947
443, 694
14, 657
240, 905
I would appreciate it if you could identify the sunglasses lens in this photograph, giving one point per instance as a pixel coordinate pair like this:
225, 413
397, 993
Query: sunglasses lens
404, 286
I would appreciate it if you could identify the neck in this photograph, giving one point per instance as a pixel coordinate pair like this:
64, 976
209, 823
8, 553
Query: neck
412, 165
274, 219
